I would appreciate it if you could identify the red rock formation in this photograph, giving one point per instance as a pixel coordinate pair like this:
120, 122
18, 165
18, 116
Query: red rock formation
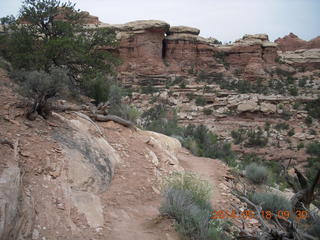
251, 56
185, 51
292, 42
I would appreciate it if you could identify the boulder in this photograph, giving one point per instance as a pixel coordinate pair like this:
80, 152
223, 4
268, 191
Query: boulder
248, 106
184, 30
268, 107
10, 191
92, 158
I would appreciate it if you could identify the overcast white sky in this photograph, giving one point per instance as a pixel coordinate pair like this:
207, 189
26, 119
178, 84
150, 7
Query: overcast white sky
226, 20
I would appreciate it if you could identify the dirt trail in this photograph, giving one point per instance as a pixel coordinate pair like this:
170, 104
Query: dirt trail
212, 170
131, 203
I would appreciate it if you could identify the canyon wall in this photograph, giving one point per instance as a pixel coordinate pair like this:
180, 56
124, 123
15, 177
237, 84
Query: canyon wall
153, 51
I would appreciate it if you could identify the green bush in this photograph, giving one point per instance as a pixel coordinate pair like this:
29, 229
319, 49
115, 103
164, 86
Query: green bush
314, 228
313, 108
300, 145
187, 200
291, 132
190, 96
149, 89
256, 138
239, 135
281, 126
98, 89
207, 111
221, 150
314, 148
199, 189
308, 120
293, 90
40, 87
120, 109
257, 173
5, 64
160, 119
200, 101
270, 201
129, 113
302, 82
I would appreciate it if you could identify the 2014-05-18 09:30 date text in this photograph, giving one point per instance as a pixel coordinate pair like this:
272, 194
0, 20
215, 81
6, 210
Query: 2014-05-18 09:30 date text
250, 214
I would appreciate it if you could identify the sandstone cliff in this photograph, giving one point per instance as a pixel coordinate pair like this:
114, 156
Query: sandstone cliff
292, 42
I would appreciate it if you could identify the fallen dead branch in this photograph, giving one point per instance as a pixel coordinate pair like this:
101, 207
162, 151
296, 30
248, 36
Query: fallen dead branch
106, 118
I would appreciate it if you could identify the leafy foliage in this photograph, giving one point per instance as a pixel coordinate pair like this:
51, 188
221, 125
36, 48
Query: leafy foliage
313, 108
51, 33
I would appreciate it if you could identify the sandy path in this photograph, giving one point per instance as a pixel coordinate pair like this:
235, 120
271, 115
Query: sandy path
213, 171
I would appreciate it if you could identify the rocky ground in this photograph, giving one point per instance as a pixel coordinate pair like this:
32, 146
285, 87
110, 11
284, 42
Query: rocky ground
224, 111
67, 178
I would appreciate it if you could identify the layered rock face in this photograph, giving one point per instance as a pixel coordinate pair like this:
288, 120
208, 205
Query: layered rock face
152, 50
251, 56
185, 51
299, 53
141, 47
292, 42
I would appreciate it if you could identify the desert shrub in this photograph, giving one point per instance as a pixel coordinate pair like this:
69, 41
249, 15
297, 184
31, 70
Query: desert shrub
313, 108
300, 145
281, 126
256, 138
239, 135
314, 148
270, 201
312, 131
293, 90
221, 150
199, 189
187, 200
286, 115
274, 168
207, 111
5, 64
302, 82
202, 142
192, 145
160, 119
116, 107
291, 132
200, 101
98, 89
257, 173
40, 87
283, 73
129, 113
201, 77
115, 96
190, 96
314, 226
149, 89
267, 126
308, 120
